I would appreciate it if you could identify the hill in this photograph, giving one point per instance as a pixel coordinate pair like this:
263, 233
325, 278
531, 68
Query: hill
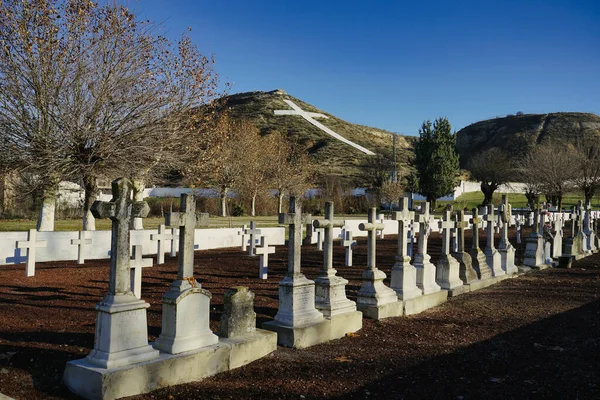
517, 134
333, 157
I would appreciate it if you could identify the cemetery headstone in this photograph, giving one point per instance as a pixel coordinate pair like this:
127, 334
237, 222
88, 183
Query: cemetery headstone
494, 260
534, 244
238, 317
448, 269
478, 257
404, 274
186, 305
255, 235
81, 244
174, 241
121, 323
506, 249
466, 271
137, 264
263, 251
161, 237
31, 244
422, 261
374, 299
242, 233
349, 243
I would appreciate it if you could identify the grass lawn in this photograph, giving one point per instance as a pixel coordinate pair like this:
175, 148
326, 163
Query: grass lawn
517, 200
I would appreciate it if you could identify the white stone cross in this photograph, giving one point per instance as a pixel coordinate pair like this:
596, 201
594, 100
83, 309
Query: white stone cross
446, 225
371, 228
136, 265
326, 226
349, 243
174, 242
255, 235
161, 237
380, 219
81, 243
310, 117
263, 251
30, 244
242, 233
404, 218
320, 239
295, 219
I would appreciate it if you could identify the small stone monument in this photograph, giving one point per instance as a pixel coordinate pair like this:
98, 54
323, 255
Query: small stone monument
466, 272
136, 266
478, 257
255, 235
534, 247
448, 269
320, 238
242, 233
330, 290
31, 244
81, 244
174, 242
121, 327
506, 249
375, 300
263, 251
238, 317
349, 243
558, 236
494, 260
186, 306
425, 268
297, 323
404, 274
161, 237
588, 230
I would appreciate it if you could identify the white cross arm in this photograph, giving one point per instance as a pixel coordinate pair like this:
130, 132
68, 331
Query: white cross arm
371, 226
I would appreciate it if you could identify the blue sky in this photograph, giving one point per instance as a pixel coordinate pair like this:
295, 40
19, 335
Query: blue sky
394, 64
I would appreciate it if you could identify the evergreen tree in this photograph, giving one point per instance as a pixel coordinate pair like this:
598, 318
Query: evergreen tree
436, 160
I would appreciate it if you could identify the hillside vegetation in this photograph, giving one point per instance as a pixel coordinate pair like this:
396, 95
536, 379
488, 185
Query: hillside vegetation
334, 158
518, 134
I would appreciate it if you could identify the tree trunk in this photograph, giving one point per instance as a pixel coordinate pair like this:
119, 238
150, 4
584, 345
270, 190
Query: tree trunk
431, 201
532, 199
279, 202
138, 195
90, 186
588, 193
224, 201
47, 209
488, 190
559, 202
253, 205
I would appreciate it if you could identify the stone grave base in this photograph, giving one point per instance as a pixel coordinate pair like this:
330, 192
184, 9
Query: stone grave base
394, 309
300, 337
345, 323
523, 269
92, 382
541, 266
480, 284
422, 303
457, 291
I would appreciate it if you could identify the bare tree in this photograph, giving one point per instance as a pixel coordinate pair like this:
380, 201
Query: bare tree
587, 164
492, 168
392, 190
88, 92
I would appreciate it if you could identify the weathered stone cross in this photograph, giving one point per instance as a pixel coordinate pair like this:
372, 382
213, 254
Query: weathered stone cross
461, 224
242, 233
187, 220
505, 211
371, 227
81, 243
425, 220
475, 221
30, 244
161, 237
404, 218
310, 117
136, 265
295, 219
255, 235
446, 225
263, 251
120, 210
349, 243
327, 225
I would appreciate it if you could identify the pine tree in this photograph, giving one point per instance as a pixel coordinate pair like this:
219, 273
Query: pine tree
436, 160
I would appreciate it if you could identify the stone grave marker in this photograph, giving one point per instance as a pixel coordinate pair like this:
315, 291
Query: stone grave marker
466, 272
161, 237
174, 241
506, 249
349, 243
255, 235
238, 317
422, 261
81, 244
448, 269
121, 324
31, 244
320, 238
263, 251
589, 230
186, 305
242, 233
478, 257
330, 289
494, 260
534, 247
136, 265
404, 274
375, 300
297, 322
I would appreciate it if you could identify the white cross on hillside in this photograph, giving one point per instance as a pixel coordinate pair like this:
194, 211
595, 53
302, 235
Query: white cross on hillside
310, 117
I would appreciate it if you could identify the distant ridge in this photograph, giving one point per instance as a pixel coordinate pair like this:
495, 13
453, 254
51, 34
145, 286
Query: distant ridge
518, 134
333, 156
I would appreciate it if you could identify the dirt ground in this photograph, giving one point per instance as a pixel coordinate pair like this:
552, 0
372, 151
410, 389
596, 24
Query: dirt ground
535, 336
